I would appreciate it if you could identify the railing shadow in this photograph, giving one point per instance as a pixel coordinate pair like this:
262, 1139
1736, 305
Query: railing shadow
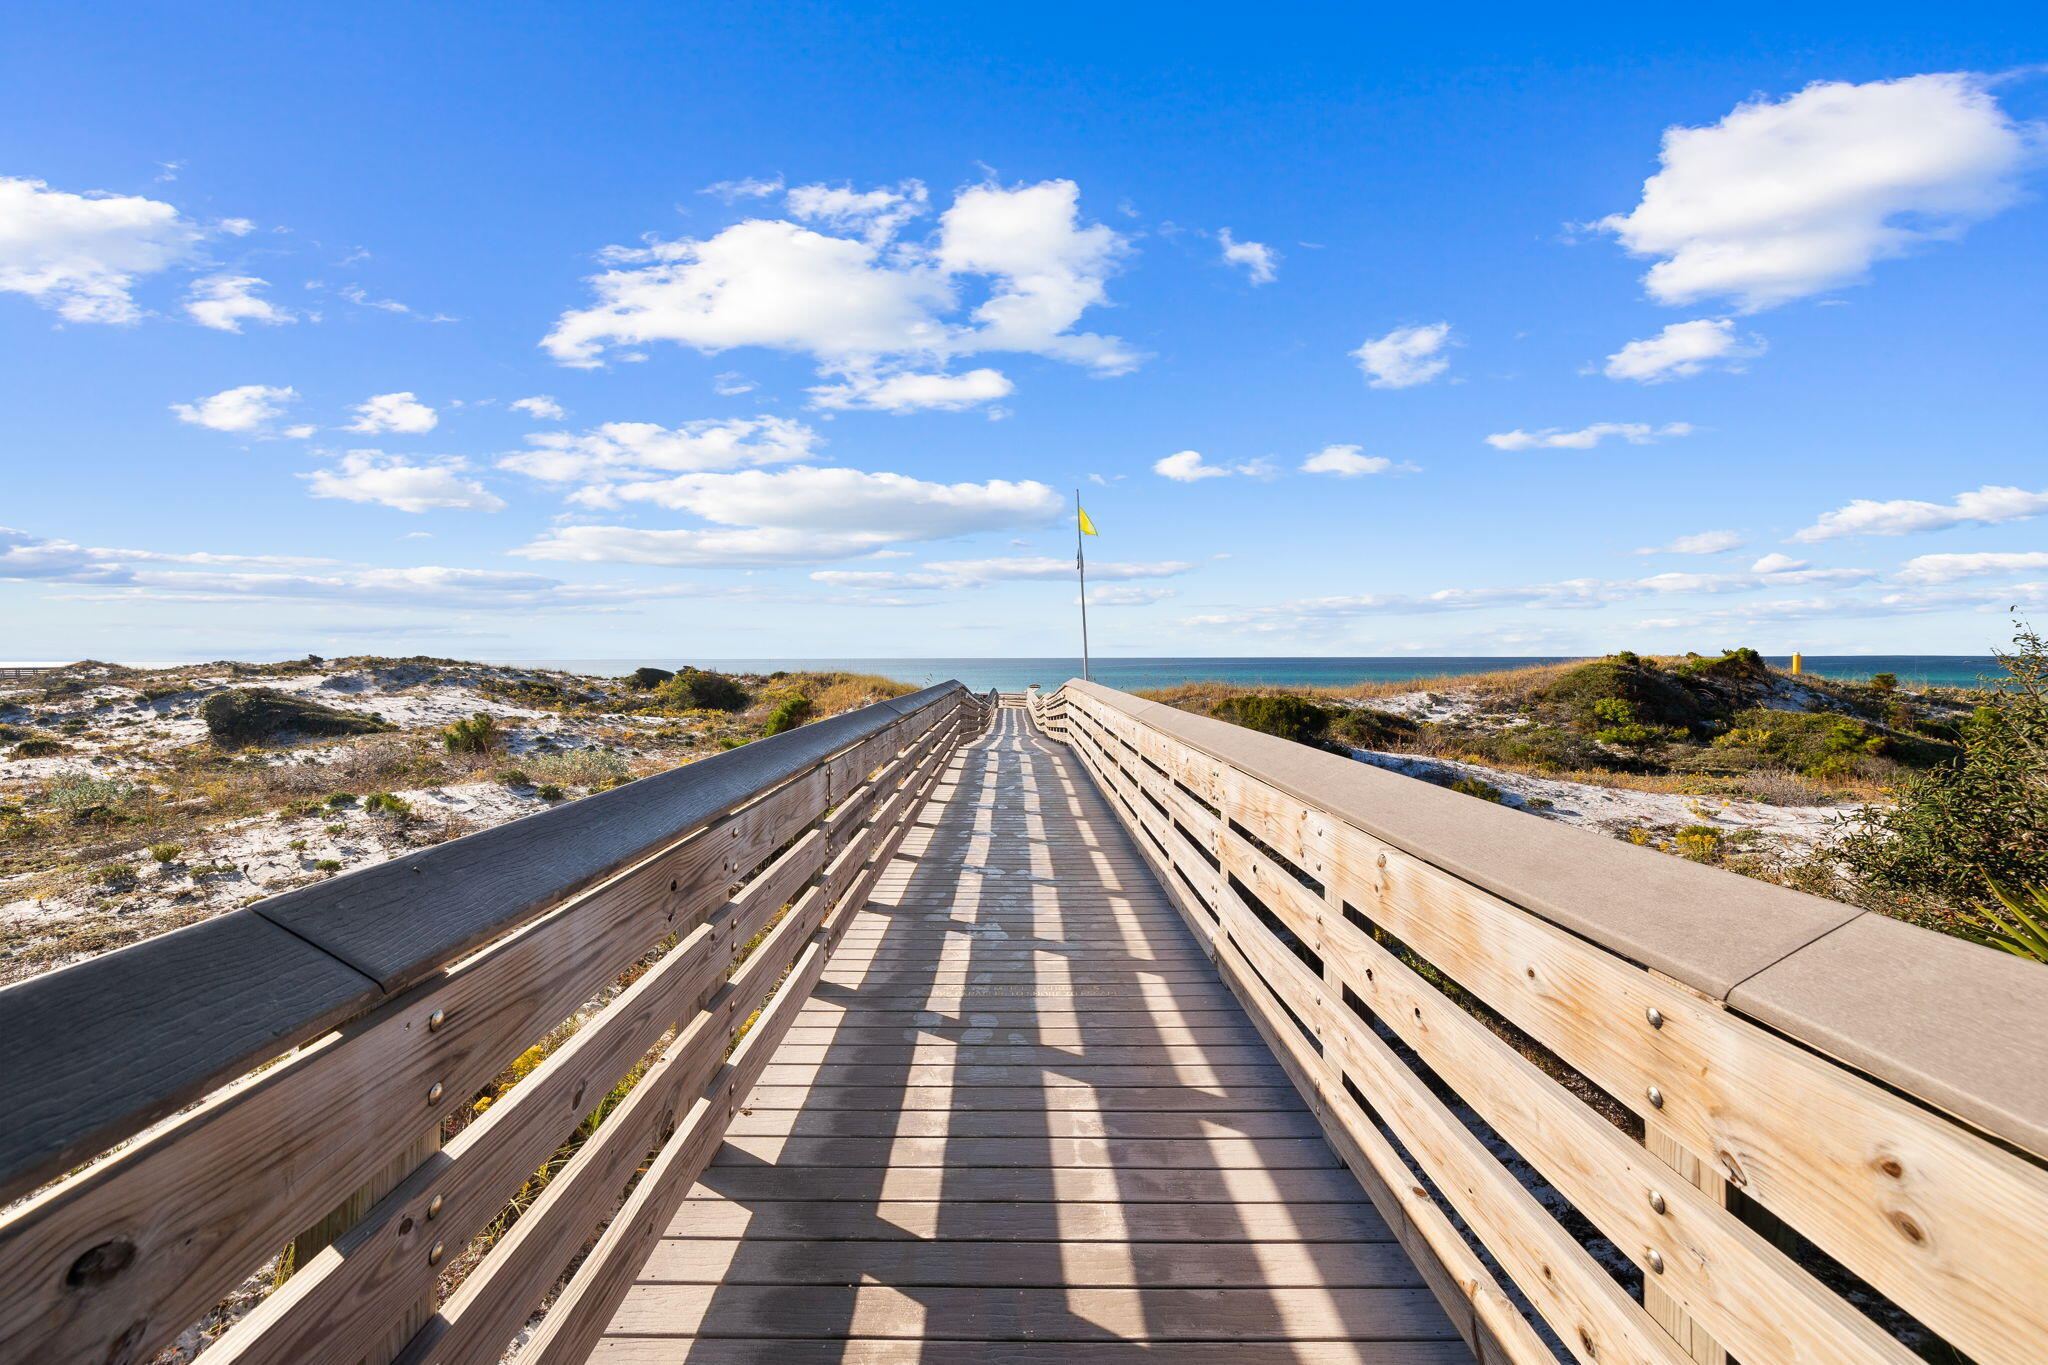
1042, 1153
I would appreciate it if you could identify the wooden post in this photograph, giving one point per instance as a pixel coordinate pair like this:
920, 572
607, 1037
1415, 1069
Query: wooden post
1659, 1142
348, 1213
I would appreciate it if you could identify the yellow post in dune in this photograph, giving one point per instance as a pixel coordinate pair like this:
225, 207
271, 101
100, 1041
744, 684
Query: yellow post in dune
1798, 663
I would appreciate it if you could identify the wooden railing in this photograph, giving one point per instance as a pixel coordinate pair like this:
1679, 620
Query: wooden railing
1758, 1097
303, 1053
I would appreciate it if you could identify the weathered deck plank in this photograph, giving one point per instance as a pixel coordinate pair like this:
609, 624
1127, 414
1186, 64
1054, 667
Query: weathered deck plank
1020, 1120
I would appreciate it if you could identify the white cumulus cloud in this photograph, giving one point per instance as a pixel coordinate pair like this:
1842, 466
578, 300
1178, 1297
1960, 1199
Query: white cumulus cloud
247, 407
1585, 438
225, 301
1949, 568
541, 407
1348, 462
395, 481
398, 412
1258, 259
81, 254
797, 515
1683, 349
904, 392
623, 450
866, 301
1702, 543
875, 214
1785, 198
1986, 506
1406, 356
1777, 563
1187, 466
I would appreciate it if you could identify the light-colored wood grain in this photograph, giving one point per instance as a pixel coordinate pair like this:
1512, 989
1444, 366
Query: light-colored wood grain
1104, 1163
1928, 1212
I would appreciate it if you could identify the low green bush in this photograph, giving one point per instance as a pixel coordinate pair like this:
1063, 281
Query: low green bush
1289, 717
477, 735
243, 716
40, 748
1978, 821
166, 853
789, 713
646, 679
1472, 786
702, 691
385, 803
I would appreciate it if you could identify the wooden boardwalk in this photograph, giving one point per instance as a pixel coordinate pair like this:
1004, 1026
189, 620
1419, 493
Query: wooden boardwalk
1020, 1120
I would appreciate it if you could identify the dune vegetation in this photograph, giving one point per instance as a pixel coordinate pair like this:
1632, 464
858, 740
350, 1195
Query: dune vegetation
136, 800
1926, 803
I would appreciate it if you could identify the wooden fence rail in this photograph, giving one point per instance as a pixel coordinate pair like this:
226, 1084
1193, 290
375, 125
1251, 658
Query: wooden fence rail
287, 1053
1798, 1095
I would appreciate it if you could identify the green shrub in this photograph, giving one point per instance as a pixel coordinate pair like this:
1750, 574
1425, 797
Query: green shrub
384, 803
1638, 736
477, 735
1614, 710
1472, 786
548, 791
10, 733
40, 748
1289, 717
1884, 682
243, 716
646, 679
328, 865
339, 800
1538, 746
1977, 821
334, 831
731, 741
1735, 665
1817, 743
787, 715
514, 777
1365, 727
86, 800
1607, 693
702, 691
166, 853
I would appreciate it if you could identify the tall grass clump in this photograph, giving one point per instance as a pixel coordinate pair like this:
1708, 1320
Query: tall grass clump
477, 735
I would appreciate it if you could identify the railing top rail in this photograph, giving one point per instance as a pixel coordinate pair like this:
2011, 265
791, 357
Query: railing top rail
1956, 1025
103, 1048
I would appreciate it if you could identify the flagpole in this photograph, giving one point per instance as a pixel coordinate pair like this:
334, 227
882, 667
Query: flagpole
1081, 570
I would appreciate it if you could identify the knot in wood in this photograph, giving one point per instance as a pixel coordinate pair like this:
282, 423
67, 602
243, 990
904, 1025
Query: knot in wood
99, 1264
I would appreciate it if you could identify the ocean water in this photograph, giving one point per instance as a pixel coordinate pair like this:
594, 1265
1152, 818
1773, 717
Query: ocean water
1132, 675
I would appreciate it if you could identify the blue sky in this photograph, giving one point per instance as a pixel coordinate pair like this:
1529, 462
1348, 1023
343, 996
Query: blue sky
1362, 332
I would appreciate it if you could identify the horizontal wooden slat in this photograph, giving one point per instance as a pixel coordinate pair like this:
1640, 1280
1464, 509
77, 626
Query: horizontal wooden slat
720, 1351
1061, 1314
247, 991
1312, 1184
755, 1121
1269, 1265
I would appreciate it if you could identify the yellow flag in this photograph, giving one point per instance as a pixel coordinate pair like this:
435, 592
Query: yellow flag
1087, 526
